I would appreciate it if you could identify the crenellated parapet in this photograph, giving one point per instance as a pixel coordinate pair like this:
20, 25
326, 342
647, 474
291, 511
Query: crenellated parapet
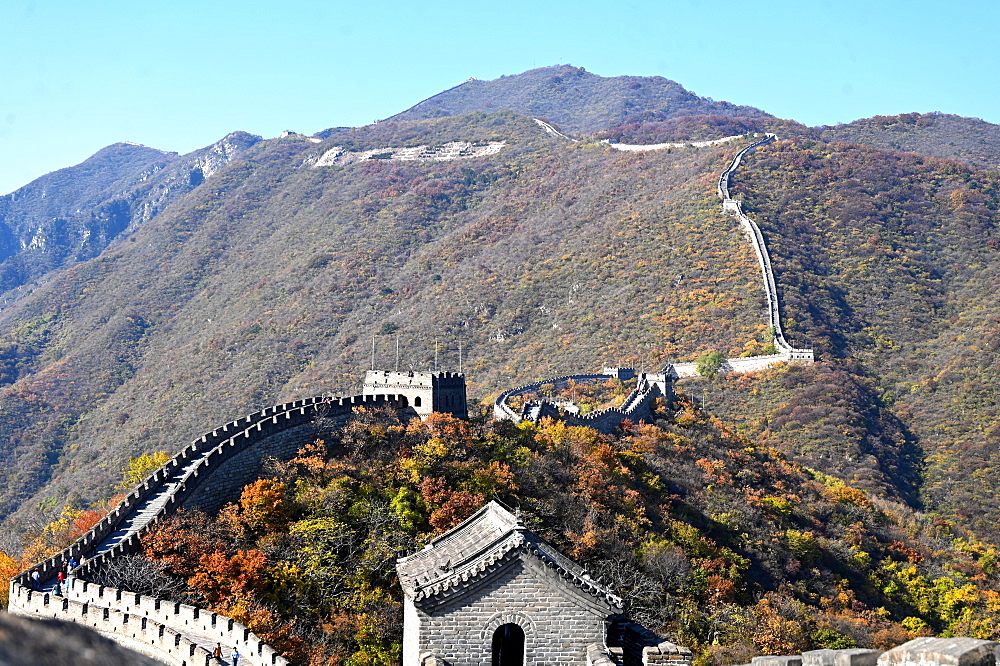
635, 407
426, 392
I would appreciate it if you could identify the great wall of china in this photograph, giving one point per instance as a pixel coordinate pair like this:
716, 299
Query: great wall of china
652, 385
210, 472
206, 474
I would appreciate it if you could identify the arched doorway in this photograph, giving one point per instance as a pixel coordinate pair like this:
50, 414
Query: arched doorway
508, 645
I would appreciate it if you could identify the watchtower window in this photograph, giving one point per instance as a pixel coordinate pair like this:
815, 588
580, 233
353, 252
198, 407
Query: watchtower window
416, 401
508, 645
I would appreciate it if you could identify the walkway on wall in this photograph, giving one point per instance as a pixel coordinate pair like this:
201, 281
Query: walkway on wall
552, 131
647, 147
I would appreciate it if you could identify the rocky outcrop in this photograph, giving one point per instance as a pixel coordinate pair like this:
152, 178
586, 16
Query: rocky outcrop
453, 150
73, 214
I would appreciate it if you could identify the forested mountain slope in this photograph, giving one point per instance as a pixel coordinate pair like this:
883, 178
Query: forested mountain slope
268, 280
888, 263
970, 140
263, 276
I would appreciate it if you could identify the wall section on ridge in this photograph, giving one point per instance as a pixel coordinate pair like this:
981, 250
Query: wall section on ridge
208, 473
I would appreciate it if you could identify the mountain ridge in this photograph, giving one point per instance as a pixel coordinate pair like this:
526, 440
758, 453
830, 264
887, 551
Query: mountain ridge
573, 99
266, 278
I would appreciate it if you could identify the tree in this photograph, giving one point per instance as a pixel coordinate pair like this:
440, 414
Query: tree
709, 363
9, 567
140, 467
140, 574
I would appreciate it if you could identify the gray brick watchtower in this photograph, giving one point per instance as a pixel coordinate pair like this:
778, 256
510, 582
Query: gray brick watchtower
490, 591
426, 391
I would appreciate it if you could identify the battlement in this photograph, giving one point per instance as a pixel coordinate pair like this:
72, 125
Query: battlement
426, 379
425, 392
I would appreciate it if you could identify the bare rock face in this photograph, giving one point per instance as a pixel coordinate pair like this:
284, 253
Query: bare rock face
223, 152
29, 642
941, 652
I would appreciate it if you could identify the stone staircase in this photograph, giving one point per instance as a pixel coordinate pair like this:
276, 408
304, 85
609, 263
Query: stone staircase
148, 510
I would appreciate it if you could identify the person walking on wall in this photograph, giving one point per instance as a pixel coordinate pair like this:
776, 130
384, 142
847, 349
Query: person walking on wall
236, 657
35, 578
217, 653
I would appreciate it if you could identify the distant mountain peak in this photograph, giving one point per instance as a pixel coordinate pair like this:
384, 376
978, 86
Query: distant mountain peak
574, 99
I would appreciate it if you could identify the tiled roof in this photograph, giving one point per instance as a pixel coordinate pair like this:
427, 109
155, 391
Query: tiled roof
479, 544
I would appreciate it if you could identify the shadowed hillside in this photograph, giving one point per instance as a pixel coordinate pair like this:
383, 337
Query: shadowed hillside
72, 214
889, 265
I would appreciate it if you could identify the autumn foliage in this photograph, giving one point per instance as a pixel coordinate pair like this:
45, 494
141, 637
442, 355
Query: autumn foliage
719, 544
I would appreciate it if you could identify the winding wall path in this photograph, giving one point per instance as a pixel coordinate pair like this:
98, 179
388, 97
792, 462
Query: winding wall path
643, 395
634, 407
646, 147
207, 473
763, 258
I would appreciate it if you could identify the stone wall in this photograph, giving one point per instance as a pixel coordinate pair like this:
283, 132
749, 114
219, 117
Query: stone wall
559, 624
223, 483
137, 632
756, 239
645, 147
641, 646
923, 651
425, 392
635, 407
928, 651
207, 473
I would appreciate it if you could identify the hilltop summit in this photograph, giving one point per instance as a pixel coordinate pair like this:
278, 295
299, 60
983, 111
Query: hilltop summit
576, 100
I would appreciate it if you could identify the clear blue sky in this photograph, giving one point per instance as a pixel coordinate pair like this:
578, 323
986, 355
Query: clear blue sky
178, 75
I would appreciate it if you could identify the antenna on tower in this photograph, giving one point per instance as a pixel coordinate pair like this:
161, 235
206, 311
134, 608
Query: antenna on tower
397, 352
435, 354
460, 355
373, 352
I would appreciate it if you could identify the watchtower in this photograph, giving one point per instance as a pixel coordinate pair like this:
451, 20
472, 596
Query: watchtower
491, 591
426, 391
